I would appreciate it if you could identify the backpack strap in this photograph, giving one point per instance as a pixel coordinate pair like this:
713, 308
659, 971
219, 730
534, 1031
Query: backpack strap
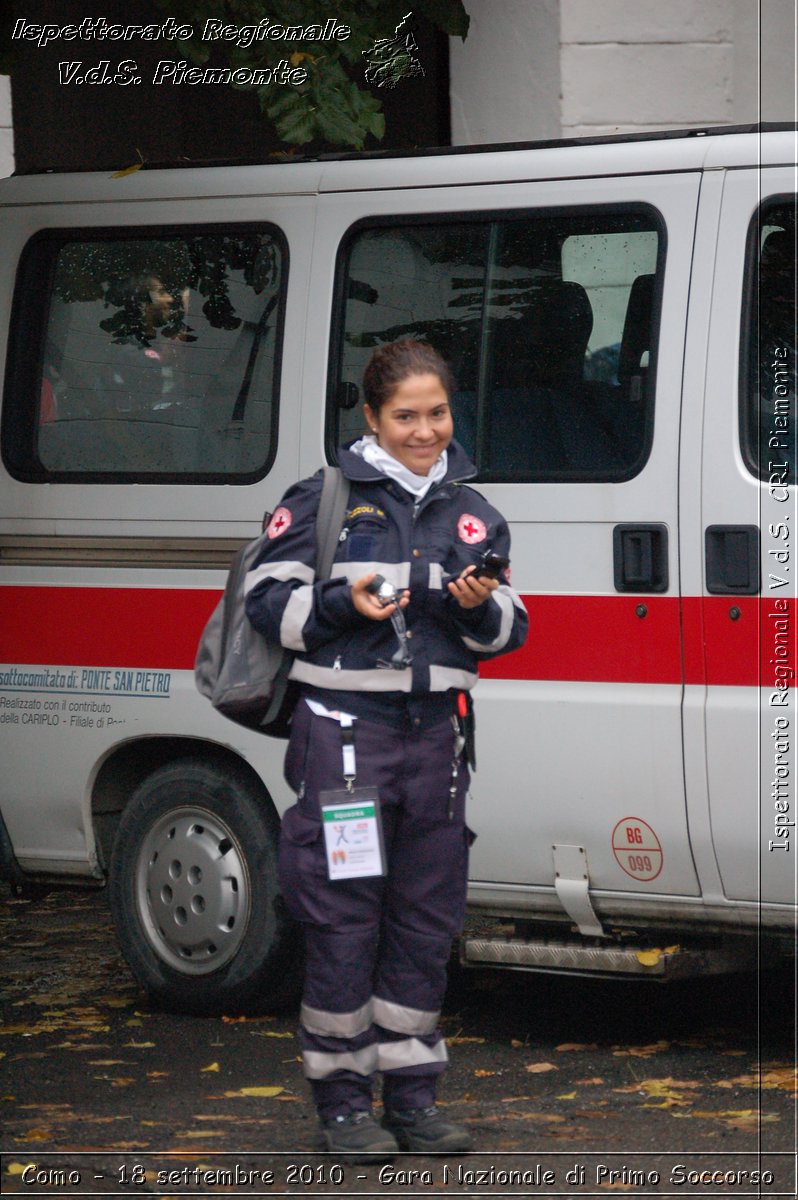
330, 517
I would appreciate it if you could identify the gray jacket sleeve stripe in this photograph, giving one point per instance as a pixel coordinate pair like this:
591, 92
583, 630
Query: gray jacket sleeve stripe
295, 614
506, 602
283, 572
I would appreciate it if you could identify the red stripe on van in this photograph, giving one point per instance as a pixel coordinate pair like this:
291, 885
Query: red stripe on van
596, 638
738, 640
104, 626
578, 638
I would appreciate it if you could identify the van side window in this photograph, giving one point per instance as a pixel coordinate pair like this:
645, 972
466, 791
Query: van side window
136, 357
768, 375
547, 319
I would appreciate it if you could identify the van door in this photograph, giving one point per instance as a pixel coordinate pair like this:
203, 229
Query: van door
561, 308
739, 554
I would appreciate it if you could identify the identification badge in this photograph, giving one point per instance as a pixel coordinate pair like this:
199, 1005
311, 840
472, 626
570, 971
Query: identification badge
352, 833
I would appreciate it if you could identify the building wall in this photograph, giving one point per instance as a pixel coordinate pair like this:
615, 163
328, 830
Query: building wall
619, 66
6, 128
634, 67
505, 77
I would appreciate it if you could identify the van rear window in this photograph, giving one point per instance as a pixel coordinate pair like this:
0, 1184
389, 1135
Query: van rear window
768, 377
548, 320
145, 358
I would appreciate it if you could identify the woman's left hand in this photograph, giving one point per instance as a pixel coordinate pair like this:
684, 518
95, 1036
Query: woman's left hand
469, 590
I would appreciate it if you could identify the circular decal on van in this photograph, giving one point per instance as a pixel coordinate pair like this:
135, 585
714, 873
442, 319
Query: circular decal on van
279, 522
471, 529
637, 849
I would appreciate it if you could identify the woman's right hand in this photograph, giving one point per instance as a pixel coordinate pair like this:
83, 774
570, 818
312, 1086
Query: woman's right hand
367, 603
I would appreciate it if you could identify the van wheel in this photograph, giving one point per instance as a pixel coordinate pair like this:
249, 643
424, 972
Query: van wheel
194, 896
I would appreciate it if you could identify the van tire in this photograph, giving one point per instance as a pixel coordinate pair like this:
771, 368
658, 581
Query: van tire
194, 896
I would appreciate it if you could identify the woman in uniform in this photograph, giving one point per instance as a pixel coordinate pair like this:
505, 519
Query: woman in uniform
387, 651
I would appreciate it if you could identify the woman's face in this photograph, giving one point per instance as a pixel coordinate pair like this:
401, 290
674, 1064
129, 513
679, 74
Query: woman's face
415, 422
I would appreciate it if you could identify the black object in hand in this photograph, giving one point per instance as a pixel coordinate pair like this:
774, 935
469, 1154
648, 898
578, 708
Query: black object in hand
491, 565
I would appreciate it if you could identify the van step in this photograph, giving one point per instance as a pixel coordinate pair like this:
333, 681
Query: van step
571, 956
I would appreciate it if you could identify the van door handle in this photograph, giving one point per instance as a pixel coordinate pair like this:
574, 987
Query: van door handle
732, 560
640, 558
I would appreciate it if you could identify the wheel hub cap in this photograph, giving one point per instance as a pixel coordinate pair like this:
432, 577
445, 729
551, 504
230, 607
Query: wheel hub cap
192, 890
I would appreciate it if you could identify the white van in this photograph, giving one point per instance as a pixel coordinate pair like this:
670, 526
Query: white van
179, 345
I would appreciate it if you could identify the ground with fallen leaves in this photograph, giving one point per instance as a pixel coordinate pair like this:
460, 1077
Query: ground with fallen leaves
549, 1074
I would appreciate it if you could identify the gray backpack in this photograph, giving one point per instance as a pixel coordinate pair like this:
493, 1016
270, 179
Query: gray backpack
244, 676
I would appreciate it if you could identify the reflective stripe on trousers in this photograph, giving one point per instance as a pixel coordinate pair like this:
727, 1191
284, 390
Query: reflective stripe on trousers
376, 949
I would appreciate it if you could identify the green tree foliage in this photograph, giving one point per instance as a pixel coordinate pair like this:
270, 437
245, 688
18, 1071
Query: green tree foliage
330, 106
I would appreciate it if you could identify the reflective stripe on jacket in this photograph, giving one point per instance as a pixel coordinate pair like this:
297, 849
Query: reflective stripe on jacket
420, 545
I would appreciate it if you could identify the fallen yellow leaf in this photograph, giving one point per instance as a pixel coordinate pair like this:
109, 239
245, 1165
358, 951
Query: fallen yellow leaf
781, 1077
214, 1066
481, 1073
16, 1168
201, 1133
567, 1096
538, 1068
265, 1092
35, 1135
738, 1118
511, 1115
127, 171
576, 1046
245, 1020
639, 1051
665, 1087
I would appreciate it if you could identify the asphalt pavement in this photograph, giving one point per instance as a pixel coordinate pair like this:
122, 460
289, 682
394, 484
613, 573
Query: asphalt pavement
569, 1086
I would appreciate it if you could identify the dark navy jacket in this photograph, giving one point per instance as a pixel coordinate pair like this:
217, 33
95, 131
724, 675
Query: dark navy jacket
419, 545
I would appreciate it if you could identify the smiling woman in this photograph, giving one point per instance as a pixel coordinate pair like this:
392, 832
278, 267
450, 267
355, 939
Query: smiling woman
378, 940
415, 425
407, 406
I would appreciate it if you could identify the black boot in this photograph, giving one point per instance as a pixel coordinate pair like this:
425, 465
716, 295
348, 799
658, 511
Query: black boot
357, 1137
426, 1130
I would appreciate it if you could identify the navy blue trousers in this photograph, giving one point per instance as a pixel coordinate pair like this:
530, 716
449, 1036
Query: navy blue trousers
376, 948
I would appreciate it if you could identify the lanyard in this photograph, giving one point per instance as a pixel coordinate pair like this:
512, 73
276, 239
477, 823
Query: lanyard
348, 750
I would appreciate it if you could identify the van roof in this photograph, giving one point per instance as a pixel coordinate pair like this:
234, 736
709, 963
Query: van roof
619, 154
